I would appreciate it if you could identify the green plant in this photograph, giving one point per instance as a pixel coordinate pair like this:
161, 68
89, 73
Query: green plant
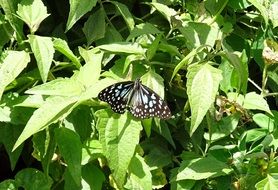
199, 55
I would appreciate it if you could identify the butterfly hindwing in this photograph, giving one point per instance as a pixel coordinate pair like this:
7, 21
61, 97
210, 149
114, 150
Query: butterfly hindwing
146, 103
117, 95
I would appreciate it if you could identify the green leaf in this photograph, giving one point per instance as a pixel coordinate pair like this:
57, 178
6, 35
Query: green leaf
119, 136
140, 176
154, 81
264, 121
70, 147
124, 11
202, 85
130, 58
9, 7
11, 112
198, 34
93, 90
123, 47
53, 109
12, 66
32, 101
43, 50
32, 12
141, 29
33, 179
44, 147
62, 46
8, 184
268, 183
255, 134
93, 177
157, 157
222, 128
187, 60
202, 168
94, 27
273, 13
256, 101
112, 35
153, 47
93, 60
167, 12
158, 179
239, 76
6, 31
77, 9
227, 70
59, 87
92, 151
80, 120
8, 135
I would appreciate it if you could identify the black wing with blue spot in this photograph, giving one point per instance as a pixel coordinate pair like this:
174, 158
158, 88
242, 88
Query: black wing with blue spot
117, 95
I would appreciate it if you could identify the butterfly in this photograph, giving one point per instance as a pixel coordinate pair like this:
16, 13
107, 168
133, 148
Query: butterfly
140, 100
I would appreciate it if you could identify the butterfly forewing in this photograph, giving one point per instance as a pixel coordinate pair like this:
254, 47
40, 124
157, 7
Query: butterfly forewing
117, 95
146, 103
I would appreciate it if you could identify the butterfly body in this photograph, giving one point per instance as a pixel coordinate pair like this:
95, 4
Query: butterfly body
140, 100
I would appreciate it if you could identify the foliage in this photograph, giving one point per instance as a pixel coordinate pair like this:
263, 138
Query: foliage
214, 62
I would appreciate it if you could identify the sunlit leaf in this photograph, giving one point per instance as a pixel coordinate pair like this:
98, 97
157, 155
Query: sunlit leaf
13, 64
43, 50
32, 12
77, 9
202, 86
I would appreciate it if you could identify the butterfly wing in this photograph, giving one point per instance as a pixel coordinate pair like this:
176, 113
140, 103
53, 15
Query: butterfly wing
117, 95
146, 103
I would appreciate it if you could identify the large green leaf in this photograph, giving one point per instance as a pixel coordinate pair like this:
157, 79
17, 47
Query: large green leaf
32, 12
44, 145
123, 47
70, 147
256, 101
198, 34
90, 72
239, 76
77, 9
33, 179
13, 64
141, 29
119, 136
268, 183
140, 176
43, 50
93, 177
62, 46
166, 11
94, 27
123, 9
187, 60
202, 168
58, 87
53, 109
202, 85
8, 135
